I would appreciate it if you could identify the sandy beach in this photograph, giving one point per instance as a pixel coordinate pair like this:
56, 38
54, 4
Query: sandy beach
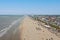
30, 30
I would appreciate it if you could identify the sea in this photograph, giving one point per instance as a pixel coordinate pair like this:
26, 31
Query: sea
8, 24
6, 20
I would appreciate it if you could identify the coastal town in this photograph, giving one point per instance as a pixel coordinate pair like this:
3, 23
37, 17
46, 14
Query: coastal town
51, 19
52, 22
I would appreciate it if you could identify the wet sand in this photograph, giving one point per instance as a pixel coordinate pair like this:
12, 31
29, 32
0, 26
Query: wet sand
30, 30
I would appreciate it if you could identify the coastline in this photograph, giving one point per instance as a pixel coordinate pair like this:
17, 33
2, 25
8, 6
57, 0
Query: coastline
12, 32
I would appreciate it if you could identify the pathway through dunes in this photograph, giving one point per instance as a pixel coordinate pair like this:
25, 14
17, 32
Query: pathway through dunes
30, 30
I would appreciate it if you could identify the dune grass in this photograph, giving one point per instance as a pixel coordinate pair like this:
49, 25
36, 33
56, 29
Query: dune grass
52, 25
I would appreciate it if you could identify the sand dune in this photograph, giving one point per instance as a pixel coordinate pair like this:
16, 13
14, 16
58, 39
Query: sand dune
30, 30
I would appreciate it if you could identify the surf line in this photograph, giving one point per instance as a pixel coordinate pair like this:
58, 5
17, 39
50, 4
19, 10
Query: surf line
3, 31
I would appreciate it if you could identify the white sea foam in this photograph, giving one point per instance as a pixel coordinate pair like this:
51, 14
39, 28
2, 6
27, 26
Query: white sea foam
3, 31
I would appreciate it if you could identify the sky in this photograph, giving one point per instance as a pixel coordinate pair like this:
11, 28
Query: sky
26, 7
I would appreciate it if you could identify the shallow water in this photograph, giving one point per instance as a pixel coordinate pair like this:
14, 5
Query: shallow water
8, 26
5, 21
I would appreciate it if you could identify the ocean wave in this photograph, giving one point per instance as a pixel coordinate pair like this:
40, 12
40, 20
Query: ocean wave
3, 31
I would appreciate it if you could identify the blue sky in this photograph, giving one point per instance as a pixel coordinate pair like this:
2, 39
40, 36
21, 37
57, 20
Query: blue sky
24, 7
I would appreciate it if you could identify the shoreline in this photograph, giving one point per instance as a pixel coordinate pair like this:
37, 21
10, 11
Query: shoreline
11, 33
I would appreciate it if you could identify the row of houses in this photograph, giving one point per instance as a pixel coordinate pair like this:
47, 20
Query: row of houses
50, 19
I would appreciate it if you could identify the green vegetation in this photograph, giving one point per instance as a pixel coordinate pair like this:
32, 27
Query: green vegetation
52, 25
